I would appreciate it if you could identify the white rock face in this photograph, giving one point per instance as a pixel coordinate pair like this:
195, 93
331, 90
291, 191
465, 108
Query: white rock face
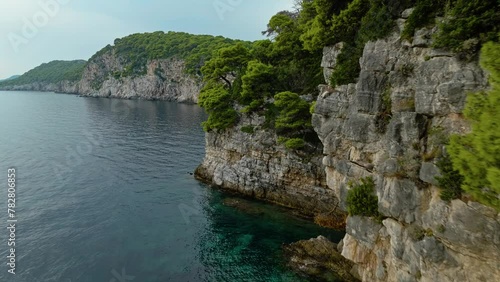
163, 80
423, 237
69, 87
255, 165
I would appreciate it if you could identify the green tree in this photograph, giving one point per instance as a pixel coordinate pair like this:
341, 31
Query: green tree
294, 115
228, 64
258, 83
217, 102
477, 154
296, 68
469, 19
52, 72
346, 24
317, 33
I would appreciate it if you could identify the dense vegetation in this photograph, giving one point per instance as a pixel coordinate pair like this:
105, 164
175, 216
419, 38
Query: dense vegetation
477, 155
52, 72
467, 24
268, 76
10, 78
265, 78
137, 49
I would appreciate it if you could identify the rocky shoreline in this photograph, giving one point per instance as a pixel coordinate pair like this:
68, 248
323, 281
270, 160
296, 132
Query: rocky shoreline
255, 165
390, 126
164, 80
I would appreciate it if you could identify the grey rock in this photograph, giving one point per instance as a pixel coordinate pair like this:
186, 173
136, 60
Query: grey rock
255, 165
429, 172
67, 87
363, 229
422, 37
431, 250
406, 13
329, 61
165, 79
318, 258
400, 199
427, 88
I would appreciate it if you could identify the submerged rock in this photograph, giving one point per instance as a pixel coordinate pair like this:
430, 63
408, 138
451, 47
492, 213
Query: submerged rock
319, 260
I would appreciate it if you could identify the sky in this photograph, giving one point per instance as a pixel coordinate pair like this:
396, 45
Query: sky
33, 32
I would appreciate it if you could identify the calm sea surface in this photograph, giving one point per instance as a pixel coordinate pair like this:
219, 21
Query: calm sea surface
104, 193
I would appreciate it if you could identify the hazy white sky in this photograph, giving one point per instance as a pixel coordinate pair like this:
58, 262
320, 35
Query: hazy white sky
37, 31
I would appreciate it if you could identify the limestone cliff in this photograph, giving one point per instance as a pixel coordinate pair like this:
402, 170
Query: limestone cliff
255, 165
164, 79
391, 125
422, 92
66, 86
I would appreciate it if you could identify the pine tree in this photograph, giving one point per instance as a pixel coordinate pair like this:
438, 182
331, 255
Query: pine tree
477, 154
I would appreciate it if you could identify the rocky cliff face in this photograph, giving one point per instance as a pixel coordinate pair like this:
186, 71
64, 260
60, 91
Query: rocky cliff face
164, 80
255, 165
390, 125
69, 87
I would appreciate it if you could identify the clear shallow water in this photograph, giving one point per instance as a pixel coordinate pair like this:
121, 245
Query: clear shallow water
104, 193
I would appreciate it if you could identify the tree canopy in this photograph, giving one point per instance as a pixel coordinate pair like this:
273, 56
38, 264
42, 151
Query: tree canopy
477, 154
137, 49
52, 72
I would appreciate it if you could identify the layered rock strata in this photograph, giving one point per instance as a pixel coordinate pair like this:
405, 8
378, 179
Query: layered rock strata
255, 165
163, 80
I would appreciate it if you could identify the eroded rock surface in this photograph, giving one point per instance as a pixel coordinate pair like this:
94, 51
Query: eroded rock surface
422, 238
255, 165
164, 80
319, 259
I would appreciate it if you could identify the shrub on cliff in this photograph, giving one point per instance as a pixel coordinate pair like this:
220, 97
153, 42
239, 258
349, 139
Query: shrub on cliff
477, 155
292, 143
467, 19
450, 180
294, 115
361, 198
424, 13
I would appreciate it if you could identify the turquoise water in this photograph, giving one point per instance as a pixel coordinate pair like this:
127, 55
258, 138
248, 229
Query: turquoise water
105, 193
